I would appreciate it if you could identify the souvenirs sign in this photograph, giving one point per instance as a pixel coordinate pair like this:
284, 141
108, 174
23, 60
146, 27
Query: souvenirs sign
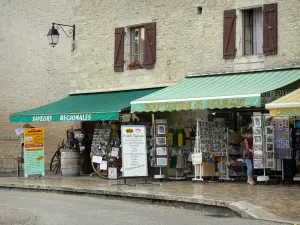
219, 103
34, 152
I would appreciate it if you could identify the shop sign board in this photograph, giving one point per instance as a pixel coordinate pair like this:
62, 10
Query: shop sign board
34, 152
65, 117
271, 96
199, 104
134, 151
197, 158
285, 112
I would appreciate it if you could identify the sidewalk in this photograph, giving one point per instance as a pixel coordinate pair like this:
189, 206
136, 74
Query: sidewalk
268, 202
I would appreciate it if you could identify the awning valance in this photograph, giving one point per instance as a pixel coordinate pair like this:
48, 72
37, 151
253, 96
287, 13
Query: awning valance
216, 91
83, 107
288, 105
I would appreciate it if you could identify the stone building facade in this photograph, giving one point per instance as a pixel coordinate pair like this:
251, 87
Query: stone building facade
32, 73
189, 40
172, 39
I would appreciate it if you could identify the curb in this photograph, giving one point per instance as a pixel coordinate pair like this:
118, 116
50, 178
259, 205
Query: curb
242, 208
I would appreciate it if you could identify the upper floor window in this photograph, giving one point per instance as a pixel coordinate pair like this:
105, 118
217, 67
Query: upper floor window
259, 31
253, 31
142, 50
137, 45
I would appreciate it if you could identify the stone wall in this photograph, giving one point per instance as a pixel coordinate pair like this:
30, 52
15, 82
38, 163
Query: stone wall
187, 42
32, 73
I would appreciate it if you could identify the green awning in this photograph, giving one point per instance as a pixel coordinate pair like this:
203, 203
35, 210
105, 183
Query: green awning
217, 91
83, 107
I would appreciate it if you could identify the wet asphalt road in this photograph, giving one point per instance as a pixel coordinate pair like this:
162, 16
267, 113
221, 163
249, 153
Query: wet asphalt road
38, 208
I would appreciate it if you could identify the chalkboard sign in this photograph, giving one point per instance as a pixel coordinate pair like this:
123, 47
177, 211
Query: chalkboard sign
134, 151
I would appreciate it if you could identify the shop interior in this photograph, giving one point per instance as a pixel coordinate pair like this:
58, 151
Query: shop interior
171, 143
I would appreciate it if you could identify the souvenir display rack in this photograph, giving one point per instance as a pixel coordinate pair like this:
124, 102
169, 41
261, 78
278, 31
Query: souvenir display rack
269, 142
296, 147
259, 159
106, 151
211, 142
161, 146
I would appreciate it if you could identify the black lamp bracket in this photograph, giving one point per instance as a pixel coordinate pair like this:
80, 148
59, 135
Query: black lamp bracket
69, 32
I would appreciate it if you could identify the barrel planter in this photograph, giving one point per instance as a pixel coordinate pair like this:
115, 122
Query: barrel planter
70, 162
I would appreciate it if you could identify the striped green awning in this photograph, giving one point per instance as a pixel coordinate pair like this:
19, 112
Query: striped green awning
83, 107
217, 91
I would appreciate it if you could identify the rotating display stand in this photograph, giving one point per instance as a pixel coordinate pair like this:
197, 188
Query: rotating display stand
161, 146
259, 140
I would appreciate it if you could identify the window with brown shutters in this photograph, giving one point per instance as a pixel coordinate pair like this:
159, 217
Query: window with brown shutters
119, 50
270, 29
229, 34
143, 46
150, 45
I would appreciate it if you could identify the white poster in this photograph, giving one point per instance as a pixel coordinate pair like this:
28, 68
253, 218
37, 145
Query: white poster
161, 161
134, 151
103, 165
97, 159
112, 173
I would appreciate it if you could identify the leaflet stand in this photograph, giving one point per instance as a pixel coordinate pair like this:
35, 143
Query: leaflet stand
227, 160
197, 156
258, 122
160, 133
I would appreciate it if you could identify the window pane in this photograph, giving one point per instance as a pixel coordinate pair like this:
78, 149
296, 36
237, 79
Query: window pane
134, 49
134, 58
143, 59
257, 31
142, 46
135, 35
135, 44
248, 32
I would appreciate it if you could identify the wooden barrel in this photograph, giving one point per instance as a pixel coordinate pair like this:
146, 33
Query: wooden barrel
70, 162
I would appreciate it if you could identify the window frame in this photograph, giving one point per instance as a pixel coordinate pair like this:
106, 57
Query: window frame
244, 31
139, 46
252, 32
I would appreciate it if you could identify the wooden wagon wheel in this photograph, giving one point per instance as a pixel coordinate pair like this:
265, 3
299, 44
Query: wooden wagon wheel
55, 166
112, 162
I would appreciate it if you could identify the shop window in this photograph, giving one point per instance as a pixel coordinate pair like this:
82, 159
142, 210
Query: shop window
137, 46
253, 31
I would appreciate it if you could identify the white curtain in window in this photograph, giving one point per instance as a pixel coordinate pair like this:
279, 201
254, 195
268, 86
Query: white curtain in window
257, 31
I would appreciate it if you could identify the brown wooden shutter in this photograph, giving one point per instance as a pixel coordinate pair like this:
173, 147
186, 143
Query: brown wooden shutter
229, 33
150, 45
270, 29
119, 49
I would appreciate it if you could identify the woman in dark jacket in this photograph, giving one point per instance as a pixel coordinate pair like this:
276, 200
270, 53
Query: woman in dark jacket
248, 154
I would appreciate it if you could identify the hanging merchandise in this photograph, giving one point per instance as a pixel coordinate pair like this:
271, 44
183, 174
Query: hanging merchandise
282, 138
187, 133
180, 139
170, 137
